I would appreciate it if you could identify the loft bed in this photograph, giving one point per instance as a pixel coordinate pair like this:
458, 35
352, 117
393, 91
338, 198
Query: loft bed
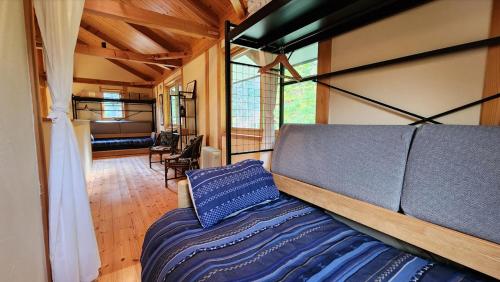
77, 101
284, 26
292, 238
121, 135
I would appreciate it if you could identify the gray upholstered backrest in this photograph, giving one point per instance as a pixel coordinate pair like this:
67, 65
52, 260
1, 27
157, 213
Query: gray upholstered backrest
100, 127
117, 127
360, 161
135, 127
453, 178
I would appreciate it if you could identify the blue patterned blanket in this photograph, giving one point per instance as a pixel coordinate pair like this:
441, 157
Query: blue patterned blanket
286, 240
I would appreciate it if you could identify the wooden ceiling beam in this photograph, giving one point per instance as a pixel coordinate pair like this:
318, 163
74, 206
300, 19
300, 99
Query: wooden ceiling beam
87, 27
166, 44
170, 55
125, 55
145, 84
131, 14
156, 68
131, 70
202, 11
239, 8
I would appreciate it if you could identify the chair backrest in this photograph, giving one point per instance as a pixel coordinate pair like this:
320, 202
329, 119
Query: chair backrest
175, 141
167, 138
197, 147
193, 150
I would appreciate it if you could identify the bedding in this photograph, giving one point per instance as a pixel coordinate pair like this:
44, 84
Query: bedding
284, 240
121, 143
221, 192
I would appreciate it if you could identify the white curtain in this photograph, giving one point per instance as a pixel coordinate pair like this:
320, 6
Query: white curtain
73, 248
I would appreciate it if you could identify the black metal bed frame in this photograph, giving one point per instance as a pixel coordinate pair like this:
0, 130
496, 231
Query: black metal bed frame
235, 34
75, 100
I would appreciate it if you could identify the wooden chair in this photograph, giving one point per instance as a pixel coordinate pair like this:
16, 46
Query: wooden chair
165, 143
186, 160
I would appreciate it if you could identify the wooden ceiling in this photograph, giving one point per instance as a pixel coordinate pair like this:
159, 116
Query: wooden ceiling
151, 38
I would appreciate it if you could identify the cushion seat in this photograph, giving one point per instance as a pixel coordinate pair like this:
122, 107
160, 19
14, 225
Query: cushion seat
161, 148
121, 143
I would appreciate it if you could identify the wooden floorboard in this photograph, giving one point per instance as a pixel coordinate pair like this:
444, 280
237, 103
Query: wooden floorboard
126, 197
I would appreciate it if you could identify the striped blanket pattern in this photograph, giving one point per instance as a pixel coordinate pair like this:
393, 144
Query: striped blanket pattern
285, 240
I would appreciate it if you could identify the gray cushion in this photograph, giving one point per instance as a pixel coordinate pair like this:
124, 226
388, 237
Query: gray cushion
120, 127
365, 162
135, 127
453, 179
104, 127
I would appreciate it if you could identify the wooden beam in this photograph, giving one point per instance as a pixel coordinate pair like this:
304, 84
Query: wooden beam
239, 8
125, 55
156, 68
131, 14
202, 11
88, 28
171, 55
490, 111
323, 92
170, 44
207, 97
131, 70
476, 253
146, 84
143, 84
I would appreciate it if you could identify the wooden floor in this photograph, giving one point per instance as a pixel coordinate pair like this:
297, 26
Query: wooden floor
126, 196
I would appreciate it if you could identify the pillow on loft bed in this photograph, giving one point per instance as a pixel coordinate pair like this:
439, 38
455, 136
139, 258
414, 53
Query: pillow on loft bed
219, 193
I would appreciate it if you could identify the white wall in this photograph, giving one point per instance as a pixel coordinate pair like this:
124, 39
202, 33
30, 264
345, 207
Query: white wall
22, 256
82, 134
426, 87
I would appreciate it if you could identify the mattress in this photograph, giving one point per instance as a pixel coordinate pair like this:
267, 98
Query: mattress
121, 143
286, 240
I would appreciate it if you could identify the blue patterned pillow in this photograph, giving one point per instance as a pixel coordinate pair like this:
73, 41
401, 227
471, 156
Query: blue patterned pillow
218, 193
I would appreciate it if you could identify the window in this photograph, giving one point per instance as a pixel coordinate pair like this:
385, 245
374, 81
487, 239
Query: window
246, 100
112, 109
300, 98
175, 103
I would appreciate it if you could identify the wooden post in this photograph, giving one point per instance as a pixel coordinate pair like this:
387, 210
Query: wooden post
323, 92
490, 111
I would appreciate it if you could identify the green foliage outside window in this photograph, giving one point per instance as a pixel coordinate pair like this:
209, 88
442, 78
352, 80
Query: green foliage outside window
300, 98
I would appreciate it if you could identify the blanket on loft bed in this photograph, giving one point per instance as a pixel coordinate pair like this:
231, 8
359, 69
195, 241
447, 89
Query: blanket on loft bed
286, 240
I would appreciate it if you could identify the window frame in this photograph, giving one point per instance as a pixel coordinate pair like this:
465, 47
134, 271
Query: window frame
176, 86
105, 103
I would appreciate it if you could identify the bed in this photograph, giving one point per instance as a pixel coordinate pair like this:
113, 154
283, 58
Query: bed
407, 183
121, 135
286, 240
